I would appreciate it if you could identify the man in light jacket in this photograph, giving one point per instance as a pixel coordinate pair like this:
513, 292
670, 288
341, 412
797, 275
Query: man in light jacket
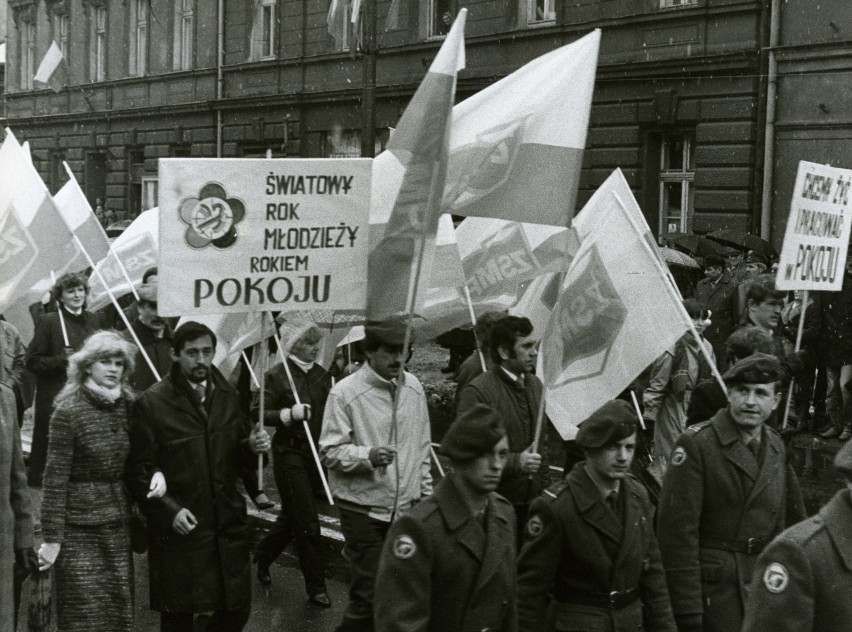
378, 459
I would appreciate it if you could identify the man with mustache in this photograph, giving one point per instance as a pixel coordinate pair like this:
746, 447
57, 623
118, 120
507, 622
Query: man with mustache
724, 498
375, 443
154, 333
448, 565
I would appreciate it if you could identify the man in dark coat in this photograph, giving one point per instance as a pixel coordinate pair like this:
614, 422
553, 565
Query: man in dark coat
154, 333
190, 426
511, 388
590, 560
57, 335
835, 347
717, 292
724, 498
803, 579
293, 462
448, 565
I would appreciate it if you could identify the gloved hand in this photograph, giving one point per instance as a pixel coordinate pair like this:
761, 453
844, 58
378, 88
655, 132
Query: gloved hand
300, 413
26, 563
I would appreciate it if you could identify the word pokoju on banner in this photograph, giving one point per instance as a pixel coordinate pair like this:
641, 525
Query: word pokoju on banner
242, 235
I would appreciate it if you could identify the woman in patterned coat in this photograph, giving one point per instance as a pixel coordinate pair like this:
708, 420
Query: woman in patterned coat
85, 512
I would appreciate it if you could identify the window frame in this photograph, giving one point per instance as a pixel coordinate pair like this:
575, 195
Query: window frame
685, 175
27, 50
268, 43
137, 63
531, 6
184, 35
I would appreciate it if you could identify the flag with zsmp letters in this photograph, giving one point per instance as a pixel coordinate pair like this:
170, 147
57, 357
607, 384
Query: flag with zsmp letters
616, 312
249, 235
816, 241
410, 177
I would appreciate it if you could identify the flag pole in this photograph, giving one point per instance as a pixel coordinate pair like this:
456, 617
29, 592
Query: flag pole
250, 369
797, 348
106, 238
59, 311
120, 311
677, 299
473, 322
261, 388
304, 421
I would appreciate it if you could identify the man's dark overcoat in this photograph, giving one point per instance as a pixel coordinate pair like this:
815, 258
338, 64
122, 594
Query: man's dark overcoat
201, 449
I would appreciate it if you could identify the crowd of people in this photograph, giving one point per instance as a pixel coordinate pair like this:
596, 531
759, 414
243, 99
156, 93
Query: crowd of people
148, 452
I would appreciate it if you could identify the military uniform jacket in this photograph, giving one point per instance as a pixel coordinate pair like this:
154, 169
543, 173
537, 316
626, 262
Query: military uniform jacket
715, 488
803, 580
441, 572
574, 545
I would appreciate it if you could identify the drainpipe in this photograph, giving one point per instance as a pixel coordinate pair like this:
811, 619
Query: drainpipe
769, 130
220, 58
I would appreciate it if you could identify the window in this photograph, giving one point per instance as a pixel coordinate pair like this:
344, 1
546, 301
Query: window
541, 12
346, 143
97, 45
439, 18
60, 34
149, 193
184, 31
668, 4
138, 60
263, 30
135, 174
677, 174
27, 54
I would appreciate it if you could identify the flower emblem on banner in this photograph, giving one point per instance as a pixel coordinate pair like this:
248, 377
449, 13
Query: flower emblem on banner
211, 218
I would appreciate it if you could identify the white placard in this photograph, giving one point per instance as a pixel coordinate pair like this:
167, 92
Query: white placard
817, 238
245, 235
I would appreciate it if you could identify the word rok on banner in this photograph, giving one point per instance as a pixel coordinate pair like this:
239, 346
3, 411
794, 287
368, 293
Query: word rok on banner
817, 238
241, 235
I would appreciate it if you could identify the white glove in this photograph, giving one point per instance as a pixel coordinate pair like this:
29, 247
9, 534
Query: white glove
285, 417
300, 412
47, 554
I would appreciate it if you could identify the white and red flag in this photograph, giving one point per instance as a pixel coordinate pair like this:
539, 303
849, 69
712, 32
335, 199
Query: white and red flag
53, 69
616, 312
77, 213
516, 147
418, 151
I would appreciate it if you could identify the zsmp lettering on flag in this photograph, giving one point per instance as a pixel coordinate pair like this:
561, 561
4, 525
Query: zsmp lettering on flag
589, 315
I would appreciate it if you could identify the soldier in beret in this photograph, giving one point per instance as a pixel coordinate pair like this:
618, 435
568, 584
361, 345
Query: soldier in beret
590, 559
448, 565
803, 579
717, 292
723, 500
375, 442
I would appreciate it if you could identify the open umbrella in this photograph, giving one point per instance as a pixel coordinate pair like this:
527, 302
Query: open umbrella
743, 240
694, 245
677, 258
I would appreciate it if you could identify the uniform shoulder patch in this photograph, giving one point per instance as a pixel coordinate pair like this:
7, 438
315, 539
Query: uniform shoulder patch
776, 578
678, 456
699, 426
554, 490
535, 526
404, 547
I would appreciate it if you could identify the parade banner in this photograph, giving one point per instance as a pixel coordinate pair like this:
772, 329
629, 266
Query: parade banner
137, 249
615, 313
241, 235
816, 241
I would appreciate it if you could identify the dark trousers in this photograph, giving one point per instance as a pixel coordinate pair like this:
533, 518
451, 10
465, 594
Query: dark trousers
298, 519
364, 539
219, 621
38, 449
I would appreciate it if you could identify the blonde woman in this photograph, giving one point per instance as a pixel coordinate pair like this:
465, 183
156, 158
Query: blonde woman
85, 511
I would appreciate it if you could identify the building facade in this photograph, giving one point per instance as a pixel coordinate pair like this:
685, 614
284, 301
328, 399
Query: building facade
680, 99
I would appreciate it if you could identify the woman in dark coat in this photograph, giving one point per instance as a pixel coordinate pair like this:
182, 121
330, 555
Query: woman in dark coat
47, 358
85, 513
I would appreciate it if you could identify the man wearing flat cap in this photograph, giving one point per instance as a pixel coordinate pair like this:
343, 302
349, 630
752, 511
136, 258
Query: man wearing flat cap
803, 579
723, 500
448, 565
375, 442
156, 337
590, 560
717, 292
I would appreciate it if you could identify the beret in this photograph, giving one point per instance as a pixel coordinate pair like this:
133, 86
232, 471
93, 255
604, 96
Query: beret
147, 292
390, 332
614, 421
713, 260
758, 368
843, 460
473, 433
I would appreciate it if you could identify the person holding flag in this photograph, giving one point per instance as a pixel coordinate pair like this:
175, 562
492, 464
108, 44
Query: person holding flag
511, 388
293, 463
376, 444
57, 335
154, 333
